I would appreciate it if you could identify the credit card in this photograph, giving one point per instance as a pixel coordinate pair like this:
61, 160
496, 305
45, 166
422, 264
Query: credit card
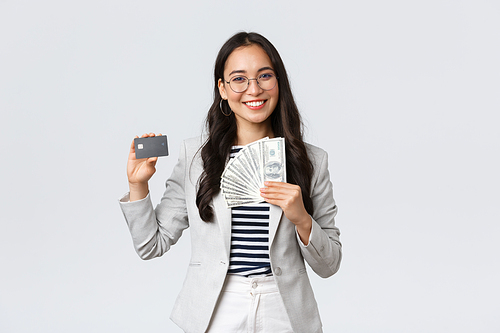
151, 146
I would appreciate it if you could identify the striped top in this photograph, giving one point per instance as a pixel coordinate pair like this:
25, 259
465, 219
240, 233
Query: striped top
249, 238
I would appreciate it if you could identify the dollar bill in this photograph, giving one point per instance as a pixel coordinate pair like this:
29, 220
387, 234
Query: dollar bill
239, 173
233, 203
245, 174
273, 160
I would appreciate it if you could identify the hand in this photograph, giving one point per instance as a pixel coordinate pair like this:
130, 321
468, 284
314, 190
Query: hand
289, 198
139, 172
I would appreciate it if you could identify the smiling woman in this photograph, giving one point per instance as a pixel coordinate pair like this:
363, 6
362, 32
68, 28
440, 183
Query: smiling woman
247, 271
251, 100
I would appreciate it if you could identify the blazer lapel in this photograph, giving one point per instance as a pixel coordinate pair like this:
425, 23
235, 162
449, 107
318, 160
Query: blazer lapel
223, 215
275, 214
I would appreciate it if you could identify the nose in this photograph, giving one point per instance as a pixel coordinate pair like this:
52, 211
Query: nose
253, 87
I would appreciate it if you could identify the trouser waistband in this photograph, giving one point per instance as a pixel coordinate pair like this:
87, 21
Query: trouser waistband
261, 285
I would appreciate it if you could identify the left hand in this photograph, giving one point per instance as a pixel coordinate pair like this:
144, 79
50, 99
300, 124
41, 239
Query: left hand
289, 198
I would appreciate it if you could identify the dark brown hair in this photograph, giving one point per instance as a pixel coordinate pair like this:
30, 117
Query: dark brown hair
285, 119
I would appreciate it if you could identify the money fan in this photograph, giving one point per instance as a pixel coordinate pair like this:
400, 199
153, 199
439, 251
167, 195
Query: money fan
247, 171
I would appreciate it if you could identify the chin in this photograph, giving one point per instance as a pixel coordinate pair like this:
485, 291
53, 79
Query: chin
259, 119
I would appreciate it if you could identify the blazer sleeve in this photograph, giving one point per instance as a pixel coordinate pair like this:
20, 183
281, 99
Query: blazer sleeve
324, 250
155, 230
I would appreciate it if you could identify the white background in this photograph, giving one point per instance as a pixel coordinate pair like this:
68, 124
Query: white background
404, 95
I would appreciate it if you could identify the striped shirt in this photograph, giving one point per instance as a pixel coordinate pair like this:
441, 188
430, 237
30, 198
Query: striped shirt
249, 238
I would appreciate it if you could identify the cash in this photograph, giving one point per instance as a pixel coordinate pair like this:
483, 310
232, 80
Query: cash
247, 171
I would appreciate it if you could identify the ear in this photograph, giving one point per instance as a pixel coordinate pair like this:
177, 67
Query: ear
222, 89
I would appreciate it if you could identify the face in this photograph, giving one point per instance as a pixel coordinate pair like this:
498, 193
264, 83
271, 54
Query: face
254, 106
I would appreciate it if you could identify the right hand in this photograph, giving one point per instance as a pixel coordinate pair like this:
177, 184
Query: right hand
140, 171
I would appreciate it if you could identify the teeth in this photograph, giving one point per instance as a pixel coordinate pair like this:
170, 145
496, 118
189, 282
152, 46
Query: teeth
254, 104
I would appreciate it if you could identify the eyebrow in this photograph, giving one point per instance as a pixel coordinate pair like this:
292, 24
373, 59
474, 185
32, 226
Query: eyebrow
240, 71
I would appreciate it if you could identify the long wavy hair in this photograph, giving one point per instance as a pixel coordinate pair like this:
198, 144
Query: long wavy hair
285, 119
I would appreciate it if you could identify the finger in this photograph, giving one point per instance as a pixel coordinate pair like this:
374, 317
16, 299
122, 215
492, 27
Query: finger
273, 183
266, 194
281, 186
270, 184
283, 204
152, 160
272, 202
273, 194
132, 146
267, 191
276, 200
278, 195
292, 190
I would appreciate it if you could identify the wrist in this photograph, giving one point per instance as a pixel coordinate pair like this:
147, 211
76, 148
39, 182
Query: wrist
304, 230
138, 191
137, 184
304, 223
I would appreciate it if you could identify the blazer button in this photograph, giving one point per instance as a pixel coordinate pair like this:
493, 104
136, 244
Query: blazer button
277, 271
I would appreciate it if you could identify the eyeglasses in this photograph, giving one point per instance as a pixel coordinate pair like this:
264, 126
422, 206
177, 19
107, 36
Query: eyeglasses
240, 83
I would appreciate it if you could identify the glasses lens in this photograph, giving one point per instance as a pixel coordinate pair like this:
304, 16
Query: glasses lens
238, 83
267, 81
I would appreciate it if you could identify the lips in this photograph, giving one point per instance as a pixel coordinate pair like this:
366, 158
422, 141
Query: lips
255, 104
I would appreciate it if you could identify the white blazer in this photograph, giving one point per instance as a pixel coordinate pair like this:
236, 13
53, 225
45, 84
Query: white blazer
155, 230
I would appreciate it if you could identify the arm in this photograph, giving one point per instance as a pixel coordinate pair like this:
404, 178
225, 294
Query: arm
323, 252
155, 230
317, 235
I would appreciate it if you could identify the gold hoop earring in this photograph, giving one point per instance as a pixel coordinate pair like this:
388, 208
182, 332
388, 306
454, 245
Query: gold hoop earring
220, 105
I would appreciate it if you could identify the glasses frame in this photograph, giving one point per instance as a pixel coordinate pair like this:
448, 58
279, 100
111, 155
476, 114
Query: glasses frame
248, 82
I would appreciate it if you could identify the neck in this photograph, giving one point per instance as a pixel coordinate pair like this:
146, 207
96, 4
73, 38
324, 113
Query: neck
248, 135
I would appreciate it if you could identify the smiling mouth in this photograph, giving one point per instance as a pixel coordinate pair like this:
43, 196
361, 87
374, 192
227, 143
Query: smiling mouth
255, 103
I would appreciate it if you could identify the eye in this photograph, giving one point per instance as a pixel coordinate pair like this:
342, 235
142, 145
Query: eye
239, 79
266, 76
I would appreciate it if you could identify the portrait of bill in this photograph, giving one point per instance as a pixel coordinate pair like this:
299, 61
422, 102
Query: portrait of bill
273, 170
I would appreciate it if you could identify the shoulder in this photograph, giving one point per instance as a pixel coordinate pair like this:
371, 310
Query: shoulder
190, 154
316, 154
194, 143
191, 147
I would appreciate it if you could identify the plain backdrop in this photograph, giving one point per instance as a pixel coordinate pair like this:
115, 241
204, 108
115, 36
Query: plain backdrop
404, 96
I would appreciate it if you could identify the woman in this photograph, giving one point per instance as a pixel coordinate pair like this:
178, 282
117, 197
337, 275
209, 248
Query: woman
263, 288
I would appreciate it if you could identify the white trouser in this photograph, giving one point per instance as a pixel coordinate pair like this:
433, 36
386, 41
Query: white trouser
250, 305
